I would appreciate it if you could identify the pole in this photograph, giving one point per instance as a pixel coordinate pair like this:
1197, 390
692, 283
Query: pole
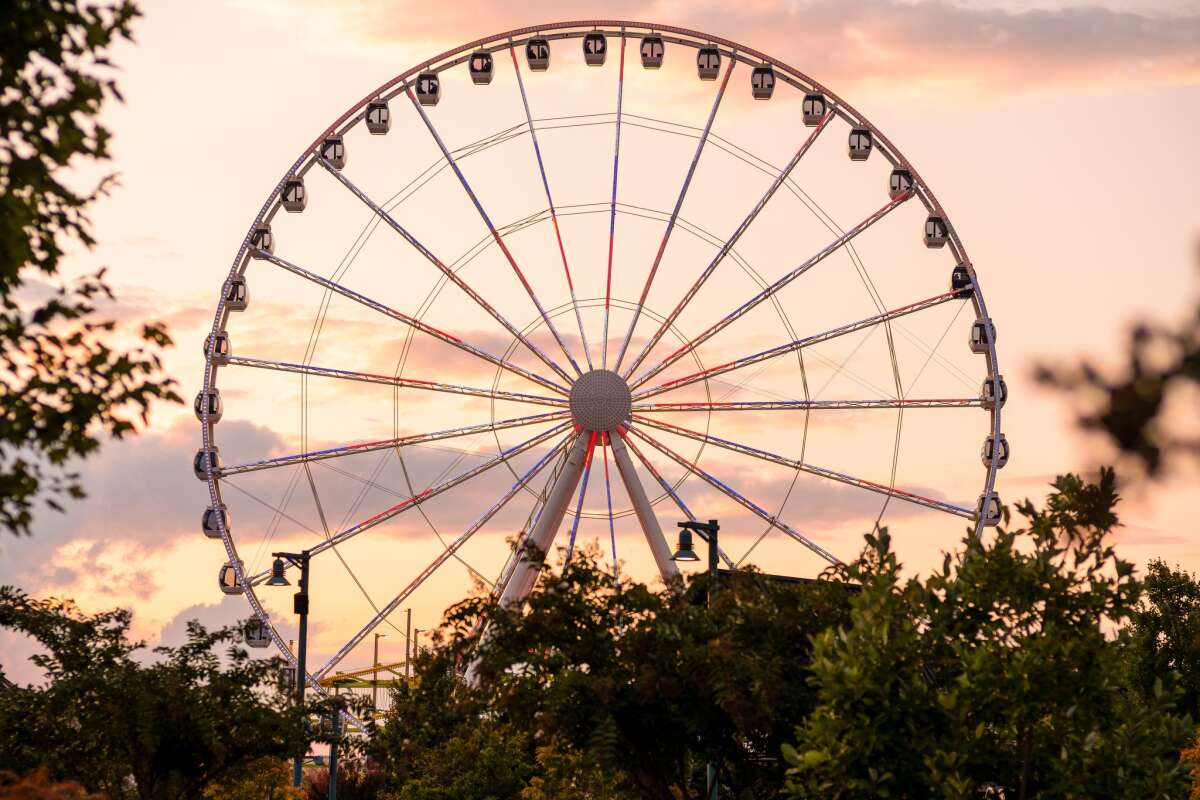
713, 576
300, 606
408, 644
333, 754
375, 683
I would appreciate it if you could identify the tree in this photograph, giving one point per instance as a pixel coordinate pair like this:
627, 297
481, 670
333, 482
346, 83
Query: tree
994, 669
1164, 634
636, 688
62, 382
1130, 408
126, 728
266, 778
38, 786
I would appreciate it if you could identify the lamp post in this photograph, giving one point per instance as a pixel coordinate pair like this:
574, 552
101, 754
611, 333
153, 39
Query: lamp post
686, 551
299, 607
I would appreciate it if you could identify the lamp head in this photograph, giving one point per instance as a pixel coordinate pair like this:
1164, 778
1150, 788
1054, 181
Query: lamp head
685, 550
277, 577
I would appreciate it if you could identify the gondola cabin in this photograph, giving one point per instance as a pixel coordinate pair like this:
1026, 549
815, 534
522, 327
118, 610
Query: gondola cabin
208, 400
860, 144
333, 150
595, 49
960, 281
206, 457
237, 294
995, 451
378, 117
481, 66
294, 196
428, 88
983, 335
994, 391
937, 232
899, 184
813, 109
213, 519
262, 238
762, 82
652, 51
987, 509
227, 579
218, 345
708, 63
537, 54
256, 633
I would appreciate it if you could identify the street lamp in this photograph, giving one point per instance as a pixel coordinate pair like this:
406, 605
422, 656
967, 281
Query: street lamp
299, 607
686, 551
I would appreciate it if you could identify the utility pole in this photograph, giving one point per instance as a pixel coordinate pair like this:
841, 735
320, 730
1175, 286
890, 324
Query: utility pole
408, 644
375, 683
299, 607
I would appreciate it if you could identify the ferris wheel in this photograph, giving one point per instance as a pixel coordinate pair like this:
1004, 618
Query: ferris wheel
584, 312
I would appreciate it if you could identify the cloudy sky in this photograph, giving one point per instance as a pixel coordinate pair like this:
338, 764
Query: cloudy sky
1055, 135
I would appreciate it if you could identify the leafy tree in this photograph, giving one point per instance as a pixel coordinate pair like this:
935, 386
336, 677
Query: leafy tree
164, 729
267, 778
995, 669
1129, 408
62, 382
1164, 634
638, 689
38, 786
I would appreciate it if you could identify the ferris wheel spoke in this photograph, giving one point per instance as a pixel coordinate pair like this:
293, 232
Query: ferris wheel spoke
839, 477
612, 213
670, 490
771, 290
687, 181
541, 537
384, 444
806, 405
562, 251
796, 345
583, 484
612, 526
666, 324
492, 228
446, 554
737, 497
428, 494
393, 380
642, 509
450, 274
412, 322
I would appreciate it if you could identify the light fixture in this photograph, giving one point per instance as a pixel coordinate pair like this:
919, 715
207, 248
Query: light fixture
685, 551
277, 577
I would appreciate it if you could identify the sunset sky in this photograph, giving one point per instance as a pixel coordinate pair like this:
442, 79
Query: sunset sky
1058, 137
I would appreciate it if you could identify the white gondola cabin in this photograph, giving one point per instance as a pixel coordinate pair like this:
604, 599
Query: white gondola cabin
937, 231
537, 54
294, 196
994, 391
228, 581
482, 67
860, 144
708, 63
287, 679
983, 335
900, 183
428, 88
762, 82
210, 400
333, 150
218, 344
237, 294
652, 51
595, 49
213, 520
205, 458
813, 109
988, 509
262, 238
255, 633
994, 451
960, 281
378, 117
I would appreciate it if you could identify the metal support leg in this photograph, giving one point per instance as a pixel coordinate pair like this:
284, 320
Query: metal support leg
645, 513
542, 536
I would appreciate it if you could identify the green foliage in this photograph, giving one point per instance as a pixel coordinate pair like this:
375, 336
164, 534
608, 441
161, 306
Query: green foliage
126, 726
639, 687
996, 668
1164, 636
62, 383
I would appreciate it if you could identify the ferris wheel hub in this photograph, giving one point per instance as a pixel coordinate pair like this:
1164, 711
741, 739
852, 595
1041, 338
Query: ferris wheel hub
600, 400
